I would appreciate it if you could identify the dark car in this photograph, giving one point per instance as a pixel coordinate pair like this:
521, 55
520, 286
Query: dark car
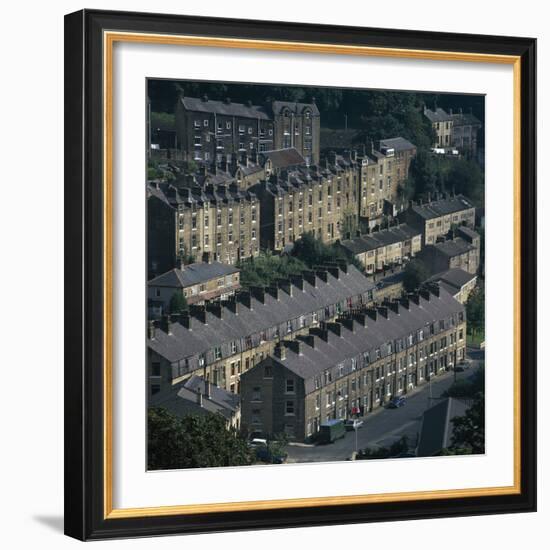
396, 402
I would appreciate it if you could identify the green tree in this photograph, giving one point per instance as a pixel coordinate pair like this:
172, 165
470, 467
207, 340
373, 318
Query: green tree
314, 252
469, 388
397, 448
469, 430
266, 268
415, 273
475, 310
466, 177
193, 442
178, 302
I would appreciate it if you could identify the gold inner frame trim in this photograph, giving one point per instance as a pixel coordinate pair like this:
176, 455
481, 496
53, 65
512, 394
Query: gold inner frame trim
109, 39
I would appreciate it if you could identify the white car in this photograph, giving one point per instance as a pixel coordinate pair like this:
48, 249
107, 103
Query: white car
353, 424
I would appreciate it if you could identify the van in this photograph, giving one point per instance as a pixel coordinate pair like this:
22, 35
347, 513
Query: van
330, 431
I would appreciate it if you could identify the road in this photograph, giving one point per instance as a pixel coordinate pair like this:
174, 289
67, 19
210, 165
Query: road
383, 426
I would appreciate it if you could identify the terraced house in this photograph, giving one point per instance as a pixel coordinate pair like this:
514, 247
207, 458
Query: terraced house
353, 365
387, 247
209, 129
317, 199
216, 223
435, 218
221, 341
381, 173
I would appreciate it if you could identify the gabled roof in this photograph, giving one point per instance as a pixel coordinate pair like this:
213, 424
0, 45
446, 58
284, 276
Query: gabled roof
437, 428
294, 107
192, 274
397, 143
311, 361
442, 207
377, 239
182, 399
183, 342
455, 277
224, 108
439, 115
282, 158
453, 247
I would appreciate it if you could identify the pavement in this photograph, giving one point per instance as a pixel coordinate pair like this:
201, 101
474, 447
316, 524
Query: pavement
384, 426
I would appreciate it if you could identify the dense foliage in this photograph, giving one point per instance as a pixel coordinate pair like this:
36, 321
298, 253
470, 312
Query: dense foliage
396, 449
468, 388
193, 442
313, 252
414, 274
265, 269
475, 310
178, 302
469, 430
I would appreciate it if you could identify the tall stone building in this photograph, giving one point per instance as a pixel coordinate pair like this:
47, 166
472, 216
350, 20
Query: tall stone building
353, 365
382, 171
209, 129
214, 224
321, 200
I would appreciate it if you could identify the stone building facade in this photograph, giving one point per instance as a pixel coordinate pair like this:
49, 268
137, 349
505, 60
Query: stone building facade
321, 200
387, 247
209, 129
221, 341
353, 365
435, 218
455, 253
382, 172
207, 224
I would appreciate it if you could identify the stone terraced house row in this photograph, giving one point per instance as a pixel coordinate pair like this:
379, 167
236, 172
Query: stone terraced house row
216, 223
435, 218
221, 341
381, 249
354, 365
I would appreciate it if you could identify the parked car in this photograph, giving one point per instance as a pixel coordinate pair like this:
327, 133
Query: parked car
353, 424
397, 402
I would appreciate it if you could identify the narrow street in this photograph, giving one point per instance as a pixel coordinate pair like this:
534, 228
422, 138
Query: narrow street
383, 426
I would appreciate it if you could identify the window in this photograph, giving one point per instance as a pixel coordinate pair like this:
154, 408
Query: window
268, 372
205, 122
217, 352
155, 369
157, 292
155, 388
197, 123
289, 385
241, 128
289, 407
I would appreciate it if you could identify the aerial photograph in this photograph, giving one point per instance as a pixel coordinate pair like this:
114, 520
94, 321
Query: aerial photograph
315, 274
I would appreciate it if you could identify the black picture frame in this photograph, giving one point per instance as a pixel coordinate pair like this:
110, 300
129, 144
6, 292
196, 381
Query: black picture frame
84, 283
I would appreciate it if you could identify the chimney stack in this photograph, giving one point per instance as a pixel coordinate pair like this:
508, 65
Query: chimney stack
207, 389
166, 324
296, 346
335, 327
280, 351
310, 277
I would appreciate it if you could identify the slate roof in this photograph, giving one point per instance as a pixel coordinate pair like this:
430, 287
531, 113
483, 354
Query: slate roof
297, 108
468, 231
439, 115
455, 277
282, 158
183, 343
465, 119
442, 207
453, 247
192, 274
310, 361
397, 143
174, 194
377, 239
224, 108
437, 427
181, 399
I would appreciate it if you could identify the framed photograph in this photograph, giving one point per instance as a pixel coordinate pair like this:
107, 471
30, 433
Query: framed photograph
300, 275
